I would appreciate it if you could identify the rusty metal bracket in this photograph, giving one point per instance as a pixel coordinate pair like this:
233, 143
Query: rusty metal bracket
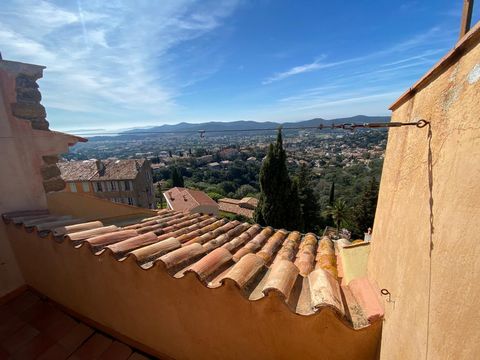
350, 126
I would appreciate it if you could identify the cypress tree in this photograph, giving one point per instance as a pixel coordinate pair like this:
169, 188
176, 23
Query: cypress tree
331, 199
278, 204
365, 209
308, 201
177, 178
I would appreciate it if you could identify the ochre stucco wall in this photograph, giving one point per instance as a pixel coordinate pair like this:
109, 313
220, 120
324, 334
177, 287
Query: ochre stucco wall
89, 207
181, 318
21, 152
430, 198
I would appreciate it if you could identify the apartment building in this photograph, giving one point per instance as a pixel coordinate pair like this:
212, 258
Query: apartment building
121, 181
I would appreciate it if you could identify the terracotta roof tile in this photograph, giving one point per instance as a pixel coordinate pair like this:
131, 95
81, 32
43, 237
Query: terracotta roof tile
281, 278
298, 268
133, 243
153, 251
211, 262
182, 199
306, 254
63, 230
111, 169
245, 269
182, 256
111, 238
254, 244
85, 234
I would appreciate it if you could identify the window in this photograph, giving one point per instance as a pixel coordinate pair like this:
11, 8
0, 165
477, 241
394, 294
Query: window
85, 186
130, 201
73, 187
98, 187
122, 185
109, 186
114, 185
127, 185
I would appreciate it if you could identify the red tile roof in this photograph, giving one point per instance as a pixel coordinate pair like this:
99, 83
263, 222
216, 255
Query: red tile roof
299, 268
182, 199
245, 207
35, 328
111, 169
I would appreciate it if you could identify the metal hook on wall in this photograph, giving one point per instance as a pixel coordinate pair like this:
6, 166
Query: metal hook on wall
385, 292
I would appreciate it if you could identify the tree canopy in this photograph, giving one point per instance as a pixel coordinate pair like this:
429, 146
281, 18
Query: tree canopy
177, 178
278, 205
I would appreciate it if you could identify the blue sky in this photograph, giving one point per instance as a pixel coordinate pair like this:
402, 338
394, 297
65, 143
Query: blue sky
121, 64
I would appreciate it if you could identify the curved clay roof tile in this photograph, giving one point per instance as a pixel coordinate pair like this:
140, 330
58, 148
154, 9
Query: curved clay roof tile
281, 278
111, 238
133, 243
245, 269
211, 262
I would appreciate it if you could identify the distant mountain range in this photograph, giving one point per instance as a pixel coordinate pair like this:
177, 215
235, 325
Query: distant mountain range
243, 125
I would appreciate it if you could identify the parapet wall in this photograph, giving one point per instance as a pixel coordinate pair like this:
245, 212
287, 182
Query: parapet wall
425, 249
180, 317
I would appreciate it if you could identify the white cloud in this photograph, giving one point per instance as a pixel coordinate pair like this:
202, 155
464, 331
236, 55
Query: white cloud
295, 71
107, 56
430, 37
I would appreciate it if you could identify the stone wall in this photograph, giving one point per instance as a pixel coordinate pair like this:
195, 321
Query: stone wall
28, 155
28, 107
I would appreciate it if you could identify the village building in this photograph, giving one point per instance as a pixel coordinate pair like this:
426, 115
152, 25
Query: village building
244, 207
193, 201
122, 181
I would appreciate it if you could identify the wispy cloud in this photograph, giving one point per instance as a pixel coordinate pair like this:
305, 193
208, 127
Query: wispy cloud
109, 56
430, 37
295, 71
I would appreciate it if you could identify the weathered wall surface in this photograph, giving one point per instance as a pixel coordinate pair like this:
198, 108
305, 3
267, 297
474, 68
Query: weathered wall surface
425, 247
181, 318
88, 207
27, 154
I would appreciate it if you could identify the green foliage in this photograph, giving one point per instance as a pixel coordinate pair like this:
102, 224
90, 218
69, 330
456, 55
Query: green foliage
237, 217
244, 191
364, 213
340, 213
331, 198
278, 205
177, 178
309, 207
214, 195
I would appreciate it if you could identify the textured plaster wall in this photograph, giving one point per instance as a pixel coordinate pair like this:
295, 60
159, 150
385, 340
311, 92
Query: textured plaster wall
181, 318
89, 207
425, 248
23, 152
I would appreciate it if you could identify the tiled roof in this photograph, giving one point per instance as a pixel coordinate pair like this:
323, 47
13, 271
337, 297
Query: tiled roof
182, 199
299, 268
35, 328
111, 169
233, 208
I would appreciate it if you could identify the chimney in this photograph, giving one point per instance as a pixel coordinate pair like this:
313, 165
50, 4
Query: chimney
100, 166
